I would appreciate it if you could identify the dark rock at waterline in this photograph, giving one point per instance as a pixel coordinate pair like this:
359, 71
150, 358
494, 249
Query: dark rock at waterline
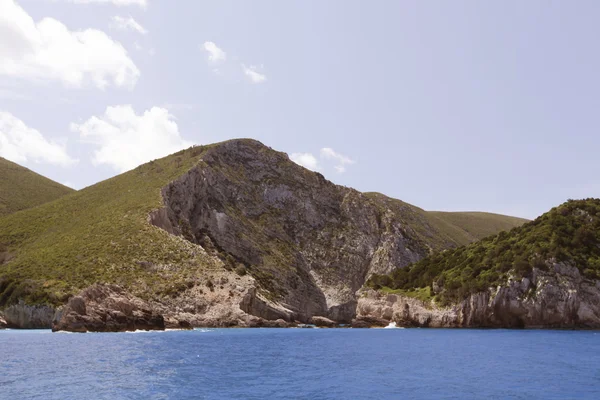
173, 323
265, 323
322, 322
369, 322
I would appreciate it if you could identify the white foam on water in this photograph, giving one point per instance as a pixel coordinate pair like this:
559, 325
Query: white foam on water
392, 325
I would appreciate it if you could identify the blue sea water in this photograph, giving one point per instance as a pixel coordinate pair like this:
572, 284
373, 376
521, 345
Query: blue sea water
301, 364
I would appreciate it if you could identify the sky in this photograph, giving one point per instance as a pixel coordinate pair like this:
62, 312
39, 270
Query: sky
453, 106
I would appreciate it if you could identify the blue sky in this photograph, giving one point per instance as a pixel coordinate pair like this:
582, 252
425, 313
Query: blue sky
463, 105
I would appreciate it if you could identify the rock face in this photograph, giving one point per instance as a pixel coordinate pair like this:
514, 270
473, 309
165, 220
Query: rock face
107, 308
3, 324
24, 316
218, 302
308, 243
558, 298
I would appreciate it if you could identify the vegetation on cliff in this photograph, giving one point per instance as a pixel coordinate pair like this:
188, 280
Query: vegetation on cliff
568, 233
21, 188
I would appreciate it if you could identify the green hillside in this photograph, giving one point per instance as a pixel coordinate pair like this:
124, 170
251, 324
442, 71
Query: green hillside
100, 233
568, 233
21, 188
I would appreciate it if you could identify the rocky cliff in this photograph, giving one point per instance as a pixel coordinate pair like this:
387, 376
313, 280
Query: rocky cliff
309, 243
545, 273
557, 298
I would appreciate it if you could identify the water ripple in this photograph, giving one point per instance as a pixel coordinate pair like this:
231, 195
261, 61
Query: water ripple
301, 363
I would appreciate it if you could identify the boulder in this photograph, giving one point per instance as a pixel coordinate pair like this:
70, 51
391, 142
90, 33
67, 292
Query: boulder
322, 322
107, 308
265, 323
369, 322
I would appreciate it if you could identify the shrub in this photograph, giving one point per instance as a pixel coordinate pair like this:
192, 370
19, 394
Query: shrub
241, 270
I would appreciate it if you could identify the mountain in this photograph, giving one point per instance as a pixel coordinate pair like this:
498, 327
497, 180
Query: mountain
544, 273
230, 234
21, 188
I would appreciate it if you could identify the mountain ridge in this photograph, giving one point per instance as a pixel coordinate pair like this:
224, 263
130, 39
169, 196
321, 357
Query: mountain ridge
21, 188
229, 233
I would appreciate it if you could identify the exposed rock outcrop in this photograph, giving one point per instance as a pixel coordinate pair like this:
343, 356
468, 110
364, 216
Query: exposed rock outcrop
23, 316
558, 298
309, 243
3, 324
107, 308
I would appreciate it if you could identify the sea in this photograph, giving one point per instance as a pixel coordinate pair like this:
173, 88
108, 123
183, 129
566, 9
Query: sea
301, 364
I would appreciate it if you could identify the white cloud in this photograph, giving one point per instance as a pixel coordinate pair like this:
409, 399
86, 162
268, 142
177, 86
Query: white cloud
215, 54
21, 144
125, 140
342, 160
307, 160
253, 75
48, 50
120, 3
127, 23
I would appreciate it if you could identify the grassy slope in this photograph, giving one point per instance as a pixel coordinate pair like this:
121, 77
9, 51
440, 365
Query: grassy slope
98, 234
570, 233
442, 230
467, 227
21, 188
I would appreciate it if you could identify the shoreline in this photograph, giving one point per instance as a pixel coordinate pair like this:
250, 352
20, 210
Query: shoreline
209, 329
